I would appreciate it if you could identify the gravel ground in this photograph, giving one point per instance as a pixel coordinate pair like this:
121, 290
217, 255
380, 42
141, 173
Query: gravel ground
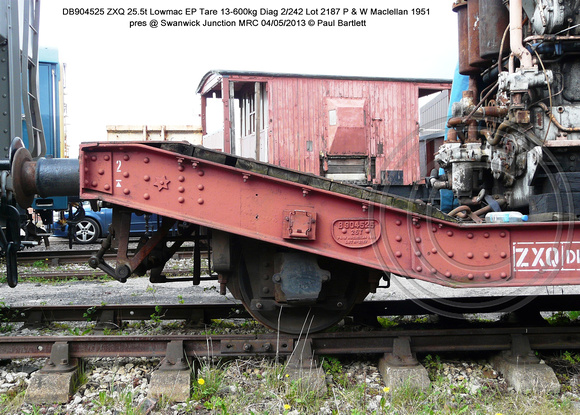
120, 386
123, 379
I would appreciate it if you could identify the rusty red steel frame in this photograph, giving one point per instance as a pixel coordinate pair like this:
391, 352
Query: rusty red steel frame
306, 213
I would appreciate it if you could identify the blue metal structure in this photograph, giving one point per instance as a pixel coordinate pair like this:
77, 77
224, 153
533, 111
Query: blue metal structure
50, 96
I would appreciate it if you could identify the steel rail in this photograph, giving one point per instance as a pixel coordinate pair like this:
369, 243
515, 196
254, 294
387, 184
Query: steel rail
80, 255
340, 343
39, 314
453, 308
94, 274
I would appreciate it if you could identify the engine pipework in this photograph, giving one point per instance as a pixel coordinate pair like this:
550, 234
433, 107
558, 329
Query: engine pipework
519, 140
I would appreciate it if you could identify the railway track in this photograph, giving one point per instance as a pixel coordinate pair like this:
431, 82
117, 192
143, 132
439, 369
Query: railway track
80, 256
49, 260
271, 344
85, 274
363, 313
428, 338
399, 344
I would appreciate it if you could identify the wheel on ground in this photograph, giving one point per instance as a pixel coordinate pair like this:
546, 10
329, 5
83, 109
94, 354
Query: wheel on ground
86, 231
253, 284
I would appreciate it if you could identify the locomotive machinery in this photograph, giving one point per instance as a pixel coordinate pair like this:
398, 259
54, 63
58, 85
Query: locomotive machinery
513, 139
299, 250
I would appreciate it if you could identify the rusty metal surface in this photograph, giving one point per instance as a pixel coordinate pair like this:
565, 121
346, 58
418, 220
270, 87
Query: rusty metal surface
183, 274
473, 21
437, 340
494, 18
424, 340
460, 7
451, 307
54, 257
249, 198
206, 312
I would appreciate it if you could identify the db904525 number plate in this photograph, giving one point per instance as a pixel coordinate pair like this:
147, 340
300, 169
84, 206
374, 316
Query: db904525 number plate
356, 233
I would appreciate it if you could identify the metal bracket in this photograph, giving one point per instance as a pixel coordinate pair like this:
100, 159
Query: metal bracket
119, 236
60, 360
300, 278
97, 261
175, 357
107, 319
521, 352
299, 224
303, 356
35, 320
402, 354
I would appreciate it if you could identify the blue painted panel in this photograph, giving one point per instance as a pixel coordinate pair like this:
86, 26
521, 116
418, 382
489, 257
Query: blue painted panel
55, 202
48, 79
49, 96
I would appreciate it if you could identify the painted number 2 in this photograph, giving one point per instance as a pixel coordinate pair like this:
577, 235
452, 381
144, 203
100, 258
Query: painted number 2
118, 166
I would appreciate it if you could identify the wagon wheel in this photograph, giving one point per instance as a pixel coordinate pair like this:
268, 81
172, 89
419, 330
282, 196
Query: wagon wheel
348, 285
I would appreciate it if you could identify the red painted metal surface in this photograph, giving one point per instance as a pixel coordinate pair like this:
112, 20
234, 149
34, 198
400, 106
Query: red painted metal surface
381, 114
373, 231
346, 132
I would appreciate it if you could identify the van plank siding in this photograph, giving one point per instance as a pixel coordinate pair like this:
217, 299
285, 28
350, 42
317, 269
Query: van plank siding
299, 110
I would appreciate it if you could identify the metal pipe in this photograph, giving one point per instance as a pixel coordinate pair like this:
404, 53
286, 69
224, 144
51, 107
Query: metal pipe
499, 133
472, 87
57, 177
455, 121
483, 210
452, 135
500, 58
555, 121
479, 114
486, 133
439, 184
45, 177
492, 111
472, 136
516, 34
460, 209
552, 38
481, 101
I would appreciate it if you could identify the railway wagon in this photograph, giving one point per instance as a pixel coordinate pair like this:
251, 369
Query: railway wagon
358, 130
299, 250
